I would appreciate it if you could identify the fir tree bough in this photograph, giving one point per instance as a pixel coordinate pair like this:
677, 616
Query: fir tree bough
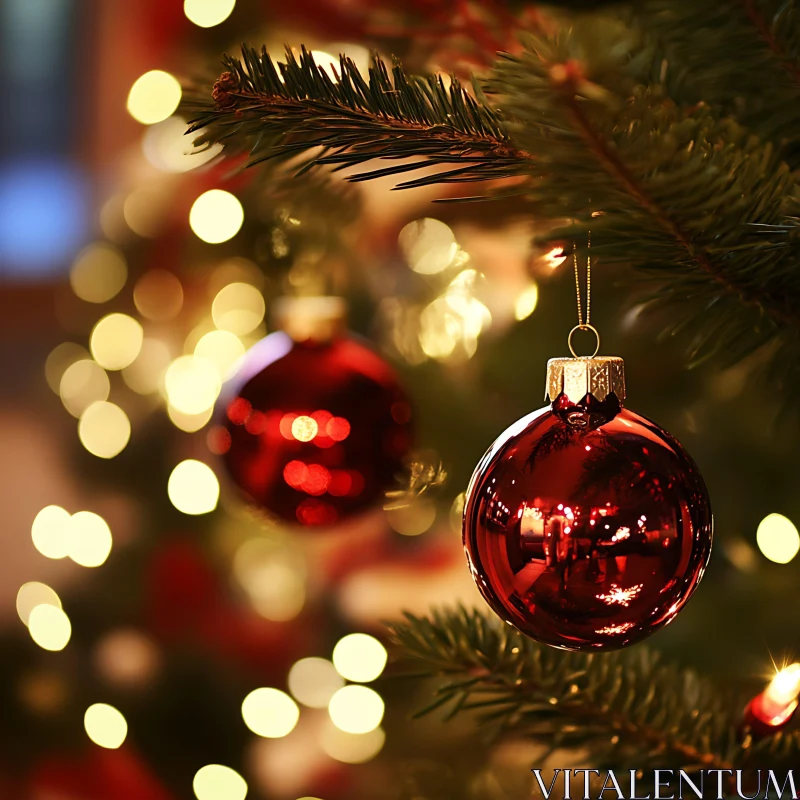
627, 709
620, 122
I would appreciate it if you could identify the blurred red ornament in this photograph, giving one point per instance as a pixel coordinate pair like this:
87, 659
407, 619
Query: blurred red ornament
587, 526
313, 432
97, 774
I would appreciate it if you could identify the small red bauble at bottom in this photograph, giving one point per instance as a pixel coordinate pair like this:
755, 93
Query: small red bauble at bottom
588, 536
312, 432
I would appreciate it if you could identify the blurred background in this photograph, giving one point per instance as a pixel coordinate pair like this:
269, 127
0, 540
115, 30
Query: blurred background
159, 639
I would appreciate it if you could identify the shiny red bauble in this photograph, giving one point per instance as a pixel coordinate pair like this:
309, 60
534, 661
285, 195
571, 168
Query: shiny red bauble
587, 536
313, 432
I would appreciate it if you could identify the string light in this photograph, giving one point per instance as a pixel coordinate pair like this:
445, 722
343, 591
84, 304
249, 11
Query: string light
208, 13
33, 594
359, 657
314, 681
193, 488
154, 97
778, 539
49, 627
216, 216
776, 705
356, 709
104, 429
270, 713
115, 341
105, 726
216, 782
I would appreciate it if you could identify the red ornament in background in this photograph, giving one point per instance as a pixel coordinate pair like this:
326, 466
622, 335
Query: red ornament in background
587, 526
315, 426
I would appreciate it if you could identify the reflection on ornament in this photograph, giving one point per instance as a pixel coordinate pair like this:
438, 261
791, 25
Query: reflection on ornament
587, 526
312, 428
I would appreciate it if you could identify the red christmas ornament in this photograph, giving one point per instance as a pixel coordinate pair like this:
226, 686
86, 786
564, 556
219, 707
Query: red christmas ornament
587, 526
315, 425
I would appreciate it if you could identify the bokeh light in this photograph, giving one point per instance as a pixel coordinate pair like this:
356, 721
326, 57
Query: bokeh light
359, 657
412, 519
33, 594
192, 384
49, 627
352, 748
61, 357
777, 538
89, 540
222, 348
50, 532
314, 681
356, 709
273, 577
98, 273
144, 211
193, 488
189, 423
238, 308
167, 147
526, 302
216, 216
429, 246
208, 13
270, 713
115, 341
215, 782
146, 374
105, 726
128, 658
304, 428
158, 295
83, 383
154, 97
104, 429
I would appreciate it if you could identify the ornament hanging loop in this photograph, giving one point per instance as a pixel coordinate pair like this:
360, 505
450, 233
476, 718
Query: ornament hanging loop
584, 326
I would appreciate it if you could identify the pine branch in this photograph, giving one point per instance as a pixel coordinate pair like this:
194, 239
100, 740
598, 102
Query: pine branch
680, 192
742, 57
627, 708
272, 111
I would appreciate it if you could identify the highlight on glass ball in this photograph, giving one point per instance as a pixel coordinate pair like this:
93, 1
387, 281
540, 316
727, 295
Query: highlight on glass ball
313, 431
587, 526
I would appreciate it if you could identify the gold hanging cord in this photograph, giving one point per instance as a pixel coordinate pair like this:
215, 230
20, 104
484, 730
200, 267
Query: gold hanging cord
583, 325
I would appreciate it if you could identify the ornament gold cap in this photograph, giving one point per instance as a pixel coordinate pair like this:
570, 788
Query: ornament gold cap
320, 318
598, 376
